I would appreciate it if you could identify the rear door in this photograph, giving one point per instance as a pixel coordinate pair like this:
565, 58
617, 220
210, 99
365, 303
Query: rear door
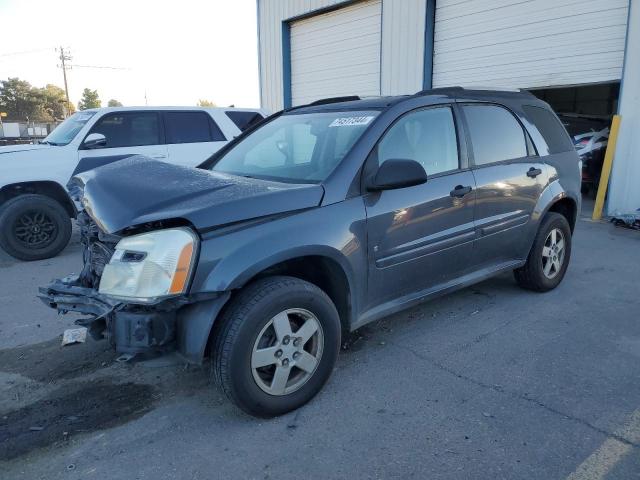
127, 133
192, 136
509, 178
420, 238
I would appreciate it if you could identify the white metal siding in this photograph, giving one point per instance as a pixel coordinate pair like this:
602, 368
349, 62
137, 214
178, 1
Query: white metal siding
336, 53
624, 194
525, 44
402, 44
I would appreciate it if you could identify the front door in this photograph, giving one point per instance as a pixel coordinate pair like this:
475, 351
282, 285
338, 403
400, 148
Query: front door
509, 180
127, 133
420, 238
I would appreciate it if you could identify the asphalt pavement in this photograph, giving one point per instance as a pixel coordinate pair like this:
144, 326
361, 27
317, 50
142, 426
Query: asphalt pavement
490, 382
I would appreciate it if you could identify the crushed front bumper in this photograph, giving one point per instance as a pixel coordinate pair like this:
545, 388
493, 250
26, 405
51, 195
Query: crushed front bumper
176, 323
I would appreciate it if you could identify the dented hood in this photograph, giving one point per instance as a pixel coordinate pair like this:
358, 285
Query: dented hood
138, 190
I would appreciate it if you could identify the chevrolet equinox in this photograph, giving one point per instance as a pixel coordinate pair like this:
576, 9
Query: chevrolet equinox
316, 221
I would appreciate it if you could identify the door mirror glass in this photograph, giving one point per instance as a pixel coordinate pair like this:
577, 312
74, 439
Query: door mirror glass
398, 173
95, 140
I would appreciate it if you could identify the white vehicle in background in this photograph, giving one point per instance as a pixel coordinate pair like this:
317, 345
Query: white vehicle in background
35, 207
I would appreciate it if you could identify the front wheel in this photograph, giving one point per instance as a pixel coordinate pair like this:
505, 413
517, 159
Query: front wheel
549, 257
34, 227
276, 345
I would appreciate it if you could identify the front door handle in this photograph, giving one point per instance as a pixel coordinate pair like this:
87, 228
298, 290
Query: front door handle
460, 191
159, 156
533, 172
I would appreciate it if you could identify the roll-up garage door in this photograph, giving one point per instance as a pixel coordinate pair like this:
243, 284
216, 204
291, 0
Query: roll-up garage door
524, 44
336, 53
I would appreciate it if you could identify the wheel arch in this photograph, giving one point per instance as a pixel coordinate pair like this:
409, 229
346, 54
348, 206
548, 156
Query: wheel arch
317, 266
47, 188
323, 266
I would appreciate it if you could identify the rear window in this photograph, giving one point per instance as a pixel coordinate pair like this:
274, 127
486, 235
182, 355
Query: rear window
191, 127
244, 120
550, 128
495, 134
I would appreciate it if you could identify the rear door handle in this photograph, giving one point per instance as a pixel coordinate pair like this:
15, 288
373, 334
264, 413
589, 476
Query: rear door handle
460, 191
158, 156
534, 172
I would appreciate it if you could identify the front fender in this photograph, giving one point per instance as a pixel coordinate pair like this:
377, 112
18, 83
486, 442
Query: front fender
229, 260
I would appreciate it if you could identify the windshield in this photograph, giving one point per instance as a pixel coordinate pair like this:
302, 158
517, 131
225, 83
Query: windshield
298, 148
64, 133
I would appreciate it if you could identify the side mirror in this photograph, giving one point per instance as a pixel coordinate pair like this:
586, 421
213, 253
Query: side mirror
95, 140
398, 173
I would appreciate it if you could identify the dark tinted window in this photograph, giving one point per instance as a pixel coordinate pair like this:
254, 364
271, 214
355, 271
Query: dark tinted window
190, 127
495, 134
550, 128
244, 120
426, 136
129, 129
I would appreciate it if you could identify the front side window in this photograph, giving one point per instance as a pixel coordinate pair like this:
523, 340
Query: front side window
129, 129
191, 127
67, 130
303, 147
495, 134
426, 136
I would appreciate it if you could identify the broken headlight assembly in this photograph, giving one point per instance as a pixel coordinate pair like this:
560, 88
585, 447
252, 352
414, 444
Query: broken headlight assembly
151, 265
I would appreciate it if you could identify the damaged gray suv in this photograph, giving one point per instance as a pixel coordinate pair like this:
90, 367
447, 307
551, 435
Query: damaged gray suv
320, 219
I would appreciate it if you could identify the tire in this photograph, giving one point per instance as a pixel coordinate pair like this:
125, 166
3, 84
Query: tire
546, 267
248, 325
34, 227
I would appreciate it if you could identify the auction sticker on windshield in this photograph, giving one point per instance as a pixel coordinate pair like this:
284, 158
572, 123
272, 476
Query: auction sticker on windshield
351, 121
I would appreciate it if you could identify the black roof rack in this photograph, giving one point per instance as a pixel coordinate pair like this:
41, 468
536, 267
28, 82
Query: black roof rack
346, 98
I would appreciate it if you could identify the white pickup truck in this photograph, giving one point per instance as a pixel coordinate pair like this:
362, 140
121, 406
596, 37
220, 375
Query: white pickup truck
35, 207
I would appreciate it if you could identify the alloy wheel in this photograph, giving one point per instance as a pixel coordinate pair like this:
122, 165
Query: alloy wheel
553, 253
287, 351
34, 229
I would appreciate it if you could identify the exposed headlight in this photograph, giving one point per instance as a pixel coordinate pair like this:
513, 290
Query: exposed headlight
151, 265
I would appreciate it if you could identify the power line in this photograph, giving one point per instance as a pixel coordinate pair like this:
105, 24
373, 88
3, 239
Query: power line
97, 66
26, 52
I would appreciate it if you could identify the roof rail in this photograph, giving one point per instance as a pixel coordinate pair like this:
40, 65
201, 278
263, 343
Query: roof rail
440, 89
474, 88
325, 101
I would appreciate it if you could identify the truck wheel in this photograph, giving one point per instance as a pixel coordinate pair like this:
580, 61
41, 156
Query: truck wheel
549, 257
276, 345
34, 227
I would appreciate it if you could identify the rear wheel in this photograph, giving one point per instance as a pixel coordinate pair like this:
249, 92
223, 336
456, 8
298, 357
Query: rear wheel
549, 257
34, 227
276, 345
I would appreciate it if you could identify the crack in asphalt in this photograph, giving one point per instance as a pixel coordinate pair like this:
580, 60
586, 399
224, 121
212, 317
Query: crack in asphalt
500, 389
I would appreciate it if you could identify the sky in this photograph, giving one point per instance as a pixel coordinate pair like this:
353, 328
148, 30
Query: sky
174, 52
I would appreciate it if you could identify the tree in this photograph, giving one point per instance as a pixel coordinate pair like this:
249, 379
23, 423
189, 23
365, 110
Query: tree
114, 103
54, 103
90, 99
206, 103
19, 99
23, 102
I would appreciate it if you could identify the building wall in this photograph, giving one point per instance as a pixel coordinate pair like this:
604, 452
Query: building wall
624, 192
402, 49
516, 44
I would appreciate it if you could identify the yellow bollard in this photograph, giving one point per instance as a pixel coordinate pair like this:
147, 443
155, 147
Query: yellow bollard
606, 168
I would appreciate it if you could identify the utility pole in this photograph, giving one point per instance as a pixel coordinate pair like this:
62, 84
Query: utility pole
64, 57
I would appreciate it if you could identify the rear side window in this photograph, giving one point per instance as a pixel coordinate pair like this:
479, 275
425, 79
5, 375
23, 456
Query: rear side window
244, 120
130, 129
191, 127
495, 134
550, 128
